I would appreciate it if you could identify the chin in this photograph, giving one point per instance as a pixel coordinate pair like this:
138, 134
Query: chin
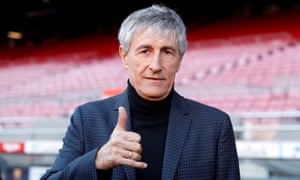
155, 95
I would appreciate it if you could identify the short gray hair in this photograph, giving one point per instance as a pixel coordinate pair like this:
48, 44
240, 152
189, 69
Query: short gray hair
161, 18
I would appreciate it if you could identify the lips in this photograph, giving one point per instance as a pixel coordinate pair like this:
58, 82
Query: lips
154, 78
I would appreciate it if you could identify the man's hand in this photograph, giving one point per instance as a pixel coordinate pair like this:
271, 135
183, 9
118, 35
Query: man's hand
123, 147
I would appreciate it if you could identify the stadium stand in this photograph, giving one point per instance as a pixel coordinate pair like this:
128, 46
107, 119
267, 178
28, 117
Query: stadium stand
253, 74
40, 89
244, 72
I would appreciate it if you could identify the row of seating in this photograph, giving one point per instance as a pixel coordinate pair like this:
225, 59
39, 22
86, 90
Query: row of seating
231, 104
211, 74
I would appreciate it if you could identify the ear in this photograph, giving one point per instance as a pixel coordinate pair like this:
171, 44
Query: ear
179, 64
123, 57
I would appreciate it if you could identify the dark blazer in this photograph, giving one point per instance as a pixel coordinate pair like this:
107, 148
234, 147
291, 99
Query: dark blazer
200, 142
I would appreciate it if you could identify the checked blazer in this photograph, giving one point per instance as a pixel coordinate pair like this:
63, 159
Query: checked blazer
200, 142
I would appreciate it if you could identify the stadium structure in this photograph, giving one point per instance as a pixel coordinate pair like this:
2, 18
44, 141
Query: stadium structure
248, 66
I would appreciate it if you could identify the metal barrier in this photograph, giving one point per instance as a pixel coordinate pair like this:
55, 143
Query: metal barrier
268, 143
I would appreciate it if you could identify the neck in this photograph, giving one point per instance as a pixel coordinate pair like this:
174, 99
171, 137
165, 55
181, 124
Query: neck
145, 106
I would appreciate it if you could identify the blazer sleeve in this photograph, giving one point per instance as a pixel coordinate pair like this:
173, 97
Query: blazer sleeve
73, 162
228, 163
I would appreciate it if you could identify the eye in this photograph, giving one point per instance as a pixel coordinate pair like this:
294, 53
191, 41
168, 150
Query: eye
169, 52
144, 51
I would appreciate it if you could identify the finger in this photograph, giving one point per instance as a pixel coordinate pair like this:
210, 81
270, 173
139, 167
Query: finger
133, 147
122, 119
132, 155
133, 163
133, 137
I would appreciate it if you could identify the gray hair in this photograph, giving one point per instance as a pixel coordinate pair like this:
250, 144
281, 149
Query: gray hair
161, 18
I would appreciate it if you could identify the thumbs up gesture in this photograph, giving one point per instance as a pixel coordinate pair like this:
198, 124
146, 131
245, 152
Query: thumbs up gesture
122, 119
123, 147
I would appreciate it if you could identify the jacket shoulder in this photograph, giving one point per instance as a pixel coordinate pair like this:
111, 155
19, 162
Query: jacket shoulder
202, 108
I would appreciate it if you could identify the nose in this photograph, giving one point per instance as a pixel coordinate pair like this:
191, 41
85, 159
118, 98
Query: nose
155, 64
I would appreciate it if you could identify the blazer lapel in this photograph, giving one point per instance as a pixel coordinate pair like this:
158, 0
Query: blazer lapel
178, 129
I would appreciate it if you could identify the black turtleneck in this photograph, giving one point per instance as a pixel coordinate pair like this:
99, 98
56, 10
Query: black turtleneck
150, 120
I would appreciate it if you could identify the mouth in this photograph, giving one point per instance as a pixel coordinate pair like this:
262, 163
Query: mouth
154, 78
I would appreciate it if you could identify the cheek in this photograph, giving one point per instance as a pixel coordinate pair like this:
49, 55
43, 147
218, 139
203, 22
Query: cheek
135, 69
173, 69
176, 68
138, 66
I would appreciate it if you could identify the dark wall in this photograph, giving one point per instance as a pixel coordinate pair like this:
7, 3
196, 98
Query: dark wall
72, 18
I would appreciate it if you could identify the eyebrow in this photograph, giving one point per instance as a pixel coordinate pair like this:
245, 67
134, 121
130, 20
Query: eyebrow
169, 48
163, 48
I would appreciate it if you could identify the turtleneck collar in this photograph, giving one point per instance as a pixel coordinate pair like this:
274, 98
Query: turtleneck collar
146, 107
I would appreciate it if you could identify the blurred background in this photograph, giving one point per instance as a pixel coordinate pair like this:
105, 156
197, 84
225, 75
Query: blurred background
243, 57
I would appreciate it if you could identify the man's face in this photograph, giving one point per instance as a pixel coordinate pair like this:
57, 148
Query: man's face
152, 62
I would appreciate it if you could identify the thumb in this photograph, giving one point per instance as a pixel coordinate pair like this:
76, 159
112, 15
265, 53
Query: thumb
121, 124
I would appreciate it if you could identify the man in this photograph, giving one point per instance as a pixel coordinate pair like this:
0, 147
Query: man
149, 131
